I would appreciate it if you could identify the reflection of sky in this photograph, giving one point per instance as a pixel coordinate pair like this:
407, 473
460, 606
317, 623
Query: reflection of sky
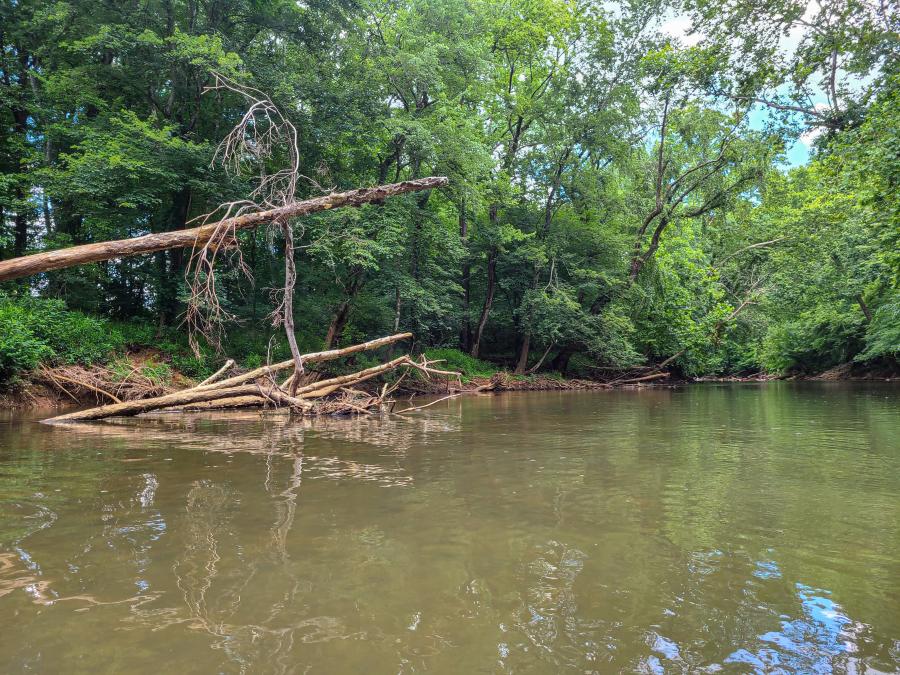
808, 644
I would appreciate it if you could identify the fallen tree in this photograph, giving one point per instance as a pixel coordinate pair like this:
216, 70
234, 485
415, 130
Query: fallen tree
257, 388
199, 236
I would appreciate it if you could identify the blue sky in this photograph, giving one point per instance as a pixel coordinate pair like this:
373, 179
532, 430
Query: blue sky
798, 152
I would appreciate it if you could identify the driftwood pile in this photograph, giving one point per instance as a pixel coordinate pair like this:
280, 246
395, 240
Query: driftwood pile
259, 388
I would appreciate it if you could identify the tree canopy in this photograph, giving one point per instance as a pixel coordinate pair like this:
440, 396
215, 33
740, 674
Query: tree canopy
618, 195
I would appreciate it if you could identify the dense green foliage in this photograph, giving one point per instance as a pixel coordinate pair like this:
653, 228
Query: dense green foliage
37, 330
618, 195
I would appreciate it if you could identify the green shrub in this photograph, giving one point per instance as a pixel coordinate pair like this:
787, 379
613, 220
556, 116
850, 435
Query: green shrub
252, 361
883, 333
158, 373
138, 334
19, 348
453, 359
43, 331
190, 365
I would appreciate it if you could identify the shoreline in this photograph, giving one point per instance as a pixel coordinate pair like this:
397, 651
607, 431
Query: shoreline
34, 393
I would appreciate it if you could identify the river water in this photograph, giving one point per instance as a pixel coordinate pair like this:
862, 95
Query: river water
734, 528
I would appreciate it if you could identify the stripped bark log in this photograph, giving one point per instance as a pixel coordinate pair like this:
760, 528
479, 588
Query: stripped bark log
645, 378
315, 357
131, 408
243, 391
150, 243
220, 403
310, 390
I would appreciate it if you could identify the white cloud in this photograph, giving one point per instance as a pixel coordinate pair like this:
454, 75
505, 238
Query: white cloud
679, 28
809, 136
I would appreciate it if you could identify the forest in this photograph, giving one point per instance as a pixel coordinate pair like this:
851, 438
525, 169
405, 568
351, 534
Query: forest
710, 186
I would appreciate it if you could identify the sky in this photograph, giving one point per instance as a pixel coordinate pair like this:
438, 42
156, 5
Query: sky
798, 152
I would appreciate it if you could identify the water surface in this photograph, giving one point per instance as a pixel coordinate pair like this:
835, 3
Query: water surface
704, 529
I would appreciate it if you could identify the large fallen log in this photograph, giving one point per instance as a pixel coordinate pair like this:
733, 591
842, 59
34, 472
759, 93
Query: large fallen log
325, 387
259, 388
645, 378
150, 243
179, 398
315, 357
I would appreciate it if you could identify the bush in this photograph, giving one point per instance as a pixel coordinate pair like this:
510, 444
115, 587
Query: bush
190, 365
43, 331
19, 348
453, 359
883, 334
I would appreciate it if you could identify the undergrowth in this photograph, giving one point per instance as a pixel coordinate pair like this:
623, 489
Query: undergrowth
454, 359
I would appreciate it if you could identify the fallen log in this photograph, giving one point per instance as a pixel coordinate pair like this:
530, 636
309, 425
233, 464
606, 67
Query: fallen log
229, 364
197, 236
315, 357
180, 398
315, 389
258, 388
221, 403
645, 378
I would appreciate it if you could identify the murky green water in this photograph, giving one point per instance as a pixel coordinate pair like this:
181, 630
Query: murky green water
713, 528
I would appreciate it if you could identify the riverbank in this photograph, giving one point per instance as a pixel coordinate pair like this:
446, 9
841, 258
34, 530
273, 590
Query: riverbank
148, 373
73, 386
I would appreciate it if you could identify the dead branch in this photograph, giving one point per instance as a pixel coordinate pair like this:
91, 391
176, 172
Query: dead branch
49, 375
540, 362
421, 407
229, 364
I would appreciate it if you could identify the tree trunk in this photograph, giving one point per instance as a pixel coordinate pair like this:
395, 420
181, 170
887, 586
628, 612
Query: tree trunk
398, 305
523, 354
560, 362
488, 300
864, 307
338, 322
342, 313
171, 263
20, 229
465, 330
20, 222
88, 253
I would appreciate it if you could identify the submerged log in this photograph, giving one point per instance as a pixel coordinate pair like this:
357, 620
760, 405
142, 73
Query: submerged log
197, 236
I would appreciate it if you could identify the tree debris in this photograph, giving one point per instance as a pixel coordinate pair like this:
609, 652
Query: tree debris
257, 388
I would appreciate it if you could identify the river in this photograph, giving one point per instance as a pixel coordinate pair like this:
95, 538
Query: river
711, 528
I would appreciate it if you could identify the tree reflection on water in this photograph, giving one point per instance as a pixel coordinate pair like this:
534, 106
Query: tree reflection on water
519, 536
